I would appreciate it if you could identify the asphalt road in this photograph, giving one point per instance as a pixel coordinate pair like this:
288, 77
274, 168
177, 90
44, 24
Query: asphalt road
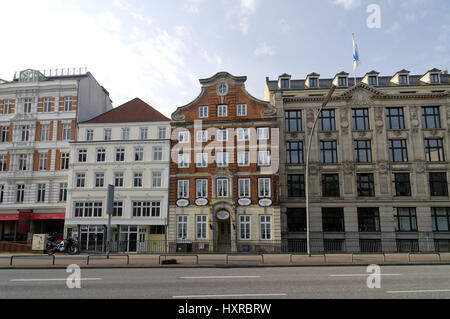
231, 283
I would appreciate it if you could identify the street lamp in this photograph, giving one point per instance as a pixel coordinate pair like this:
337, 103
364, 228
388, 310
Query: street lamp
308, 149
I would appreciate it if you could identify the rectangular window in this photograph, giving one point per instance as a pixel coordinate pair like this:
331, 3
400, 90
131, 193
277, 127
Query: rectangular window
438, 184
434, 150
40, 193
20, 195
368, 219
398, 151
68, 103
45, 133
138, 154
201, 227
330, 185
2, 193
244, 227
201, 188
201, 159
312, 82
241, 110
120, 154
372, 80
222, 187
138, 179
125, 134
182, 227
222, 159
89, 135
202, 112
405, 219
107, 134
201, 136
293, 121
43, 159
262, 133
118, 179
365, 185
328, 152
25, 133
183, 160
402, 184
183, 189
244, 187
66, 132
7, 106
162, 133
27, 102
440, 217
2, 163
362, 151
360, 119
183, 137
265, 224
430, 117
296, 185
222, 110
65, 161
243, 158
81, 180
294, 152
403, 79
326, 121
222, 135
243, 134
99, 179
156, 179
395, 118
101, 155
284, 83
333, 219
82, 156
23, 162
143, 133
157, 153
296, 221
434, 78
63, 192
342, 81
5, 134
147, 209
47, 104
264, 187
118, 209
263, 158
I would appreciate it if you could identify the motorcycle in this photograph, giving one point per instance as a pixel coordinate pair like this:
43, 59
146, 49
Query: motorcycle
68, 245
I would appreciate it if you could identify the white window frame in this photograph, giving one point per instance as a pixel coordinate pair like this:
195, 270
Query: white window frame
219, 135
201, 188
201, 229
68, 103
243, 155
243, 134
23, 162
201, 160
40, 193
138, 154
100, 177
183, 137
45, 132
184, 160
241, 107
120, 151
244, 183
263, 155
162, 133
157, 150
97, 153
266, 222
65, 161
264, 190
66, 131
222, 159
118, 176
80, 180
201, 136
203, 112
222, 110
136, 177
183, 188
157, 176
263, 133
82, 154
143, 133
89, 135
27, 104
47, 105
7, 106
245, 222
125, 133
107, 134
43, 160
223, 182
182, 227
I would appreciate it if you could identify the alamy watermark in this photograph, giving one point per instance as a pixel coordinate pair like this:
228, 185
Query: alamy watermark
374, 279
374, 19
74, 279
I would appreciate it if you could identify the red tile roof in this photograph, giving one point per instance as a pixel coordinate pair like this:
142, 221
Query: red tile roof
135, 110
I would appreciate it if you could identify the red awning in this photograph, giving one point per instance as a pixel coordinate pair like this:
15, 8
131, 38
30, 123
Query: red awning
48, 216
9, 216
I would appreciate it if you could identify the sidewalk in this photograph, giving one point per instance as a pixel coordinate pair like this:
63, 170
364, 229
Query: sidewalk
217, 260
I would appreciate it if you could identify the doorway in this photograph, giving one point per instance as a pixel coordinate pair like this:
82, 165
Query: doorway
133, 239
92, 239
223, 235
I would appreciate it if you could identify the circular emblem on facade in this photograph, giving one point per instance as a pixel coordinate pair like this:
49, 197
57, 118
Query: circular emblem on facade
223, 214
182, 202
244, 201
265, 202
201, 202
222, 89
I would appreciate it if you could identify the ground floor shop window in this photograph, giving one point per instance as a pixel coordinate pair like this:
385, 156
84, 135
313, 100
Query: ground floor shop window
244, 227
92, 238
182, 227
265, 223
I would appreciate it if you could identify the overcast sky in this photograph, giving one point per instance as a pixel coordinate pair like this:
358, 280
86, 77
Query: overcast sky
157, 50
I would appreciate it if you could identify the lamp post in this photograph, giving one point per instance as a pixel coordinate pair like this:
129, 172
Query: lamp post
308, 149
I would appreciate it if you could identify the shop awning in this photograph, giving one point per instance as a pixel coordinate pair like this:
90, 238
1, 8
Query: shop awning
48, 216
9, 216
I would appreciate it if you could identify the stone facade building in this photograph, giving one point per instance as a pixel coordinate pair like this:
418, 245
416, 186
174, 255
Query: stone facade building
39, 113
223, 176
379, 164
127, 147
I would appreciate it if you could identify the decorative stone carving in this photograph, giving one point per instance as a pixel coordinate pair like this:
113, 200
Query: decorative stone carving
178, 117
271, 111
434, 132
362, 134
348, 168
397, 133
413, 113
313, 168
383, 167
361, 97
420, 167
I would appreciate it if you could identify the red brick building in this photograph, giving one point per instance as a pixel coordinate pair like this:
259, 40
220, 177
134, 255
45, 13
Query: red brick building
224, 191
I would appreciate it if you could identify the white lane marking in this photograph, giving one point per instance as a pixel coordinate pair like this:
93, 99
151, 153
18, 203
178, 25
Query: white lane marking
362, 275
237, 295
218, 277
51, 279
417, 291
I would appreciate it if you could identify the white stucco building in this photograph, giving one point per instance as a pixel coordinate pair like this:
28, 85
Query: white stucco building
127, 147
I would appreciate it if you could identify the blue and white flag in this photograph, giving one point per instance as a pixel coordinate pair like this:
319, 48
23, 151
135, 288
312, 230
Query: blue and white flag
355, 54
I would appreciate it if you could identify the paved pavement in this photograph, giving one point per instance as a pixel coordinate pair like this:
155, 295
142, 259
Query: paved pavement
347, 282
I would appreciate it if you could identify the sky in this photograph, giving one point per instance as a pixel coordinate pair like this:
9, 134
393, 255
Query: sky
158, 50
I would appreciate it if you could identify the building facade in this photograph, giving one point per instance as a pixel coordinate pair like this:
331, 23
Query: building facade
379, 163
127, 147
223, 176
39, 112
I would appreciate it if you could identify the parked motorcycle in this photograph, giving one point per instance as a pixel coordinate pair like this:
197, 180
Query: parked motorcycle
68, 245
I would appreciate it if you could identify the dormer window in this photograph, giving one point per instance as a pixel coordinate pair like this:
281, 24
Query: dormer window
372, 80
284, 83
403, 79
434, 78
313, 82
342, 81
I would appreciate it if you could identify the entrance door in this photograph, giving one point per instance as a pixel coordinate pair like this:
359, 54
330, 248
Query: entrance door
91, 238
128, 239
142, 240
224, 235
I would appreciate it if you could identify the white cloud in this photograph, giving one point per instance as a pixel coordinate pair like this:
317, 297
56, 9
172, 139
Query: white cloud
108, 21
264, 49
247, 8
347, 4
284, 25
132, 10
214, 59
394, 28
193, 6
